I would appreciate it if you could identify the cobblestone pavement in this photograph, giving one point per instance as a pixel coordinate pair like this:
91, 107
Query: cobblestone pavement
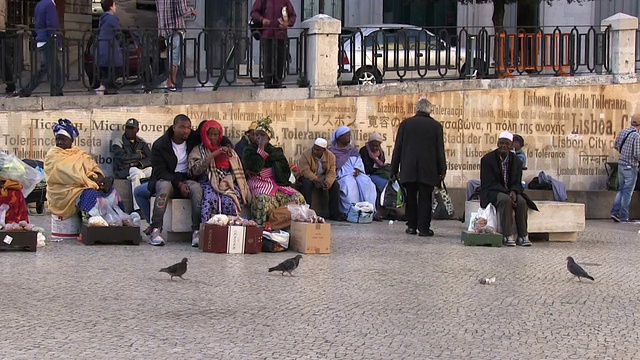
381, 294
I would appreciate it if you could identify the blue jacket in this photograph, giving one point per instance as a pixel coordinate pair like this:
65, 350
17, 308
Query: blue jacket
46, 20
109, 48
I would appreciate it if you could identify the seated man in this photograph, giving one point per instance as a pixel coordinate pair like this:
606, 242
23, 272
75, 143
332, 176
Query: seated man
518, 143
501, 185
318, 171
170, 179
131, 157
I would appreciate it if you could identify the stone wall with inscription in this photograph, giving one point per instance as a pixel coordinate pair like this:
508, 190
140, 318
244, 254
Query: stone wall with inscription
568, 131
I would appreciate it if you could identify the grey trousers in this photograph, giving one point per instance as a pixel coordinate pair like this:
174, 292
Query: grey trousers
165, 191
505, 215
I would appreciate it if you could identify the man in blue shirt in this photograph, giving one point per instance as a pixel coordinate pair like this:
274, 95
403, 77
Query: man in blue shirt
48, 42
628, 145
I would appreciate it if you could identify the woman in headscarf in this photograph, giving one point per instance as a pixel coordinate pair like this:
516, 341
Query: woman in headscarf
355, 184
74, 180
374, 161
219, 172
269, 174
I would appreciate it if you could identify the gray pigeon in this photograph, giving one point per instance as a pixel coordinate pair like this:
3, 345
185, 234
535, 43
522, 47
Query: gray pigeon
288, 265
577, 270
176, 269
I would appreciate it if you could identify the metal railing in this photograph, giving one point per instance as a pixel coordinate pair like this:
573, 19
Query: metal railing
373, 55
208, 60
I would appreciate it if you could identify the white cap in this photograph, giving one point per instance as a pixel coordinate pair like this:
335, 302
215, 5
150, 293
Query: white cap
506, 135
321, 142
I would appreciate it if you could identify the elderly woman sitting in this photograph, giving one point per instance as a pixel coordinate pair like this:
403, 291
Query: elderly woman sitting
269, 174
74, 180
374, 161
219, 172
355, 184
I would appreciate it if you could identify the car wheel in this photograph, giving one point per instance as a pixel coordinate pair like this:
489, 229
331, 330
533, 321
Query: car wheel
367, 76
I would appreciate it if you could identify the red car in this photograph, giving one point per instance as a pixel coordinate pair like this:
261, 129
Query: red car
132, 71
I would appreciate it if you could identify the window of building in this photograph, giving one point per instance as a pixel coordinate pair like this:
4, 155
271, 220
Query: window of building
333, 8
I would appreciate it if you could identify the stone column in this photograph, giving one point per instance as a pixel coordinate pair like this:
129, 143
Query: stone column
622, 47
322, 55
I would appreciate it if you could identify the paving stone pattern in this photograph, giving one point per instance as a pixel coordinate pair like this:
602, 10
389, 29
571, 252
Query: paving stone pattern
381, 294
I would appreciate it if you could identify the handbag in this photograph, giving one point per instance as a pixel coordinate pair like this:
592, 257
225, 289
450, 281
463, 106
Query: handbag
392, 195
280, 218
441, 206
360, 213
275, 241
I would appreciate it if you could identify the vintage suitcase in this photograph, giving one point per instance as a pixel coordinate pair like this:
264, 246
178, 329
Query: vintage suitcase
231, 239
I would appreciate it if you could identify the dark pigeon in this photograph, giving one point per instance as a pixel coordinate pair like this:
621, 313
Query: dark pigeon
577, 270
288, 265
176, 269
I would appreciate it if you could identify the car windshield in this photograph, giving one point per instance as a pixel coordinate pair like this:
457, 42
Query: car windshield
403, 38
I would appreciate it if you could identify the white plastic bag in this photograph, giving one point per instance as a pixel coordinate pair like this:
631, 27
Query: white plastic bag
279, 236
302, 213
365, 207
484, 220
11, 167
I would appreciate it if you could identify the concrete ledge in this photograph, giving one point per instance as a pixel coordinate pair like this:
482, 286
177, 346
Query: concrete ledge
90, 101
560, 220
597, 203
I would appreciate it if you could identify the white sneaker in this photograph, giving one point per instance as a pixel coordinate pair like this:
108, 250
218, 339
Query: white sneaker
195, 239
156, 239
100, 90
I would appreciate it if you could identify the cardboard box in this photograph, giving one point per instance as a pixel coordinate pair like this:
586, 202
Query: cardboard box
19, 240
231, 239
308, 238
129, 235
473, 239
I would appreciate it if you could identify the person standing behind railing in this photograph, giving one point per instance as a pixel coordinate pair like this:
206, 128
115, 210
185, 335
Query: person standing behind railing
276, 16
7, 46
109, 57
171, 27
47, 28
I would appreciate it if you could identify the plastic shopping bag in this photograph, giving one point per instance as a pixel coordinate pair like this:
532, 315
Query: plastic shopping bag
484, 220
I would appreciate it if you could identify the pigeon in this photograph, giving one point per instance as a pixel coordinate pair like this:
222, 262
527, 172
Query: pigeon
176, 269
577, 270
288, 265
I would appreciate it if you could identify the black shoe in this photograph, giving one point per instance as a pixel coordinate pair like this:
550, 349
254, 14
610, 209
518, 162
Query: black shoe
426, 233
341, 217
411, 231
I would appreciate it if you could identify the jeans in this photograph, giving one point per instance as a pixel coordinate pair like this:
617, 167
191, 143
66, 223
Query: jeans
165, 192
47, 56
142, 196
627, 176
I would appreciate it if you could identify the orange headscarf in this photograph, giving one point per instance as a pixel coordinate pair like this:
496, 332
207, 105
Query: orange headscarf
222, 161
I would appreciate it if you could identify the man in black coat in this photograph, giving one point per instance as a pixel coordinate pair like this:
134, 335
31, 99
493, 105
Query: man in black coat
419, 154
170, 179
501, 185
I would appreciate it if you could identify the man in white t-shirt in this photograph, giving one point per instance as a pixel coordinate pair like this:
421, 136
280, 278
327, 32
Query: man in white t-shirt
170, 179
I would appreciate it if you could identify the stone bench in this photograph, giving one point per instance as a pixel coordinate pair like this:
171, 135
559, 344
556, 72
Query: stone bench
558, 221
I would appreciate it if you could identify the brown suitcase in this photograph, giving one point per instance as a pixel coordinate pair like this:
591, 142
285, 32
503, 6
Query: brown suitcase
231, 239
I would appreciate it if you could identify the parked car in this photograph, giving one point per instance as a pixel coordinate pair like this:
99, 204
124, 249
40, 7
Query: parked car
149, 4
370, 53
131, 73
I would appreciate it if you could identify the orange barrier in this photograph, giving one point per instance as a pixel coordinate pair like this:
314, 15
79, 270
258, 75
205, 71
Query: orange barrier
555, 56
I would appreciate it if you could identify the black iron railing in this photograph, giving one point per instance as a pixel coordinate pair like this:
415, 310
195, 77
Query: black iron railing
208, 60
371, 55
